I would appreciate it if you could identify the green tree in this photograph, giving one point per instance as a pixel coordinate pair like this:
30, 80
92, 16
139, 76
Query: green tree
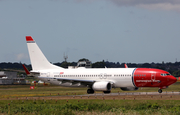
65, 64
176, 73
99, 65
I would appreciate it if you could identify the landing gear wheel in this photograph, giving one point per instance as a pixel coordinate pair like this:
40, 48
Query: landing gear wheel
90, 91
106, 92
160, 90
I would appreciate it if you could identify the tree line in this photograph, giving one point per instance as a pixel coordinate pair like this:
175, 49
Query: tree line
173, 68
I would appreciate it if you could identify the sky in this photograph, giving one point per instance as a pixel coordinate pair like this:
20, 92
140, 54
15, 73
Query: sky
124, 31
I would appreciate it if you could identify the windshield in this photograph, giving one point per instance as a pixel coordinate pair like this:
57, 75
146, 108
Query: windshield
165, 74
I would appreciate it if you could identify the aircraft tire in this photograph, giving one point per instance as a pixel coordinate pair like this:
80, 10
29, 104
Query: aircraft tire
106, 92
90, 91
160, 90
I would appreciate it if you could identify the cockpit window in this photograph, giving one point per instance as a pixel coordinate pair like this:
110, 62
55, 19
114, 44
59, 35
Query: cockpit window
168, 74
162, 74
165, 74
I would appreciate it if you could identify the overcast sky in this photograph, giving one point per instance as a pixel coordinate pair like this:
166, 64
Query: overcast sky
130, 31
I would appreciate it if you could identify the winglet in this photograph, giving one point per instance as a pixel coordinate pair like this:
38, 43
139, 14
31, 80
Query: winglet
29, 38
26, 70
125, 66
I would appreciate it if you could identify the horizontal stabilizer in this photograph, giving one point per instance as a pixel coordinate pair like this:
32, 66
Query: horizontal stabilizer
26, 70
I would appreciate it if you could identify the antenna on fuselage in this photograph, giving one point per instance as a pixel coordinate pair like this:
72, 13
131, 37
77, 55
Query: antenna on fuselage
65, 57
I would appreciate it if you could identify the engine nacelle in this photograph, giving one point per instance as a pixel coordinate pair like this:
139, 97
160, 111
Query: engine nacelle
129, 88
102, 86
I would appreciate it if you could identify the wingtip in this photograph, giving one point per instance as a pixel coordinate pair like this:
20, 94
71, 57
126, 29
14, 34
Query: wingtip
26, 70
125, 65
29, 38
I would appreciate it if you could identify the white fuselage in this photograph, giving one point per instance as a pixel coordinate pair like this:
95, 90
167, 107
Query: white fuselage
120, 77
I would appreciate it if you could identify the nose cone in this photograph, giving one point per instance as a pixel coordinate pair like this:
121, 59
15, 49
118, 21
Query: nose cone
172, 79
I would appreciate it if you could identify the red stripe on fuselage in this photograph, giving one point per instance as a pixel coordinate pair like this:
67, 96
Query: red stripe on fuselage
147, 77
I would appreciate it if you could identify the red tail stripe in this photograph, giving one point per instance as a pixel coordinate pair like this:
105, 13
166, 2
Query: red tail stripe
29, 38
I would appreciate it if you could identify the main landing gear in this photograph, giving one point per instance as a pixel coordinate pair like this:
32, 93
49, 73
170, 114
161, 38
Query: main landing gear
106, 92
90, 91
160, 90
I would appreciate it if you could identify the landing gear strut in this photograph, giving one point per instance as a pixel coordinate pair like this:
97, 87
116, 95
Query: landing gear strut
160, 90
90, 91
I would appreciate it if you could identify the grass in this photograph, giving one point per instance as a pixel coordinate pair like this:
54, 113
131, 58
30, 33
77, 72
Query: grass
72, 107
40, 90
24, 91
47, 105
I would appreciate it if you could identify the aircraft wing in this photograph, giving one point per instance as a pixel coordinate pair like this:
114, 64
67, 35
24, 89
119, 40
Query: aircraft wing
125, 65
75, 80
64, 80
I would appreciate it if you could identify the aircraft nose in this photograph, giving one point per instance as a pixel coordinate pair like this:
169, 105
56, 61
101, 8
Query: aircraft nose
172, 79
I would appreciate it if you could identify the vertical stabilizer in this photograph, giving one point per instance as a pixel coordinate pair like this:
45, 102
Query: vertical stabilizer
38, 60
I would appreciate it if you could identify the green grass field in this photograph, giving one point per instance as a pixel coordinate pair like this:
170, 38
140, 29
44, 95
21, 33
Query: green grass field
10, 104
72, 107
40, 90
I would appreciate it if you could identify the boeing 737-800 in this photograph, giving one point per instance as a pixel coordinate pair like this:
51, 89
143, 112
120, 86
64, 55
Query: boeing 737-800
95, 79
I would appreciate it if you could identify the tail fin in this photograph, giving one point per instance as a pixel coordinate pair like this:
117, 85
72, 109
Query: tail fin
38, 60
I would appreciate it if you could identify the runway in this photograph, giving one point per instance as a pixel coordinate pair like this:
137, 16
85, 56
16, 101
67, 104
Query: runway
129, 96
111, 96
135, 93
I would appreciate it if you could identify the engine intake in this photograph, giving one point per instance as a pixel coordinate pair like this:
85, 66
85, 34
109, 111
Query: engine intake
102, 86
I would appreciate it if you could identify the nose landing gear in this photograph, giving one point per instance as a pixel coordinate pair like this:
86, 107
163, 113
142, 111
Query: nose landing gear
160, 90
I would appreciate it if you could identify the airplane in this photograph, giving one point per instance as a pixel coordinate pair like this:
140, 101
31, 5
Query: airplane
95, 79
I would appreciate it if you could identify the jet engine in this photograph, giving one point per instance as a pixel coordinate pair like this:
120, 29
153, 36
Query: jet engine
129, 88
102, 86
